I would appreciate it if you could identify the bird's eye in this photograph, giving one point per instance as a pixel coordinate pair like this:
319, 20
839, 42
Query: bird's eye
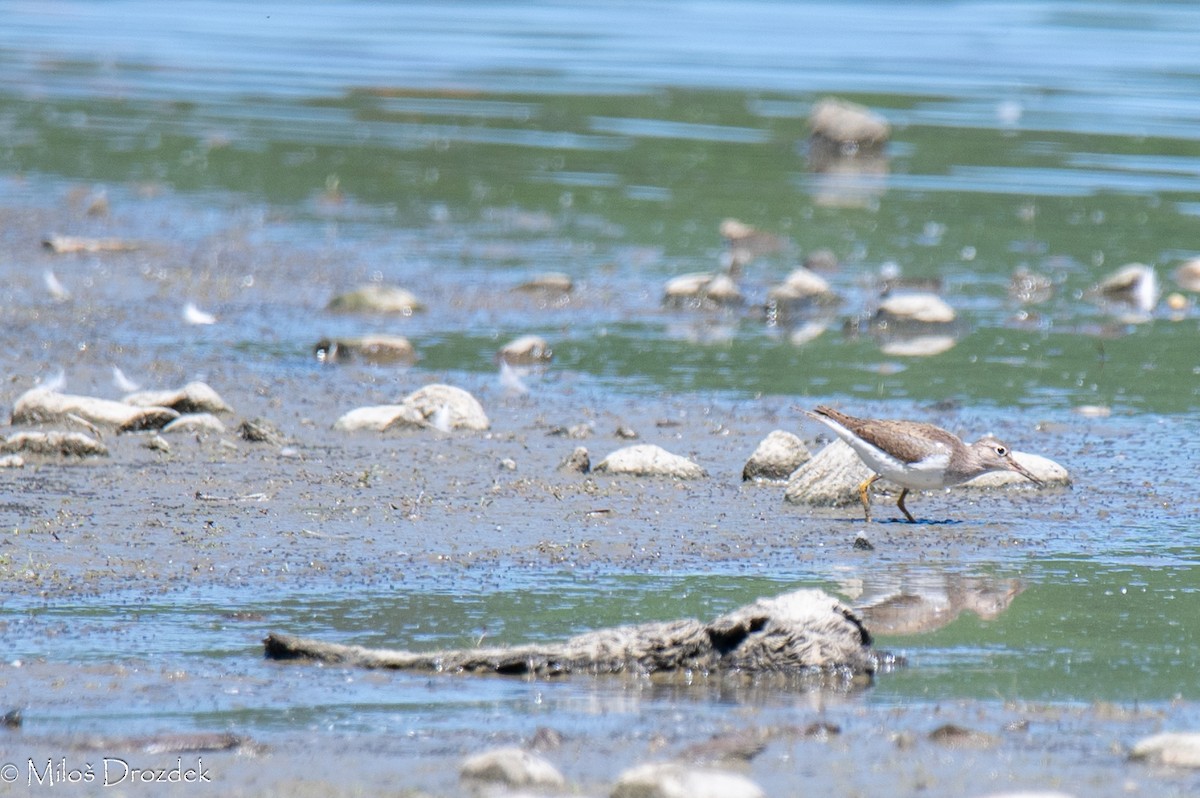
1000, 450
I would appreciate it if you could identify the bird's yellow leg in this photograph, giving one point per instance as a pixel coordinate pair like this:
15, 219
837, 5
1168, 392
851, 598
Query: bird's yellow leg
865, 496
903, 509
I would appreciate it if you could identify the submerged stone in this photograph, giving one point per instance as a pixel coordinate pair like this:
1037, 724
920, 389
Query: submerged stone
923, 308
526, 350
376, 349
376, 298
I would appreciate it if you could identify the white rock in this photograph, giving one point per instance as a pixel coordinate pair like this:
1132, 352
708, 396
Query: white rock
39, 405
675, 780
551, 282
649, 460
525, 350
801, 284
701, 289
848, 124
777, 456
379, 417
195, 397
1187, 276
1048, 471
918, 307
917, 345
1178, 749
377, 298
56, 444
1133, 283
195, 422
513, 767
459, 409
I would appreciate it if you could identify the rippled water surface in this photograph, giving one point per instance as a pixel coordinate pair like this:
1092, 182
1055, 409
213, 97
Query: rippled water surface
460, 148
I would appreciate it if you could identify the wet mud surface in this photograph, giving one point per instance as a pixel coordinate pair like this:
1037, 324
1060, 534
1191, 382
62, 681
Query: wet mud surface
168, 567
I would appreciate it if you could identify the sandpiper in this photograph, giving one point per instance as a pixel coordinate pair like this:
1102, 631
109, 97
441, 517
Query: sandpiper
916, 456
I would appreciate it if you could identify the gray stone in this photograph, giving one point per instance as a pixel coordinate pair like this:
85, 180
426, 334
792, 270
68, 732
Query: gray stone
830, 479
777, 456
1187, 275
577, 461
376, 349
512, 767
195, 422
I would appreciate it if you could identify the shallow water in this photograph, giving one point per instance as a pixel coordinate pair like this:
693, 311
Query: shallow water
272, 155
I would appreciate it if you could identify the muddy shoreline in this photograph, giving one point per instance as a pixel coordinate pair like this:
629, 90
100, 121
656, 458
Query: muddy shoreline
325, 510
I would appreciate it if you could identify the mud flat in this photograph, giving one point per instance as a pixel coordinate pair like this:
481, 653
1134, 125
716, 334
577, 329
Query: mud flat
141, 581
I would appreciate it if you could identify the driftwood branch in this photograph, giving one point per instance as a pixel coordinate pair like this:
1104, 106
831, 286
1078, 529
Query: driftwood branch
803, 633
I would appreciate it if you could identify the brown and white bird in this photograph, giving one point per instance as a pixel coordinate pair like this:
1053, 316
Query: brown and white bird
915, 455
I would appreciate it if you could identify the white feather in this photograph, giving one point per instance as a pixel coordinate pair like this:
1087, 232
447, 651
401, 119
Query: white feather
511, 380
123, 383
58, 291
55, 383
194, 315
440, 420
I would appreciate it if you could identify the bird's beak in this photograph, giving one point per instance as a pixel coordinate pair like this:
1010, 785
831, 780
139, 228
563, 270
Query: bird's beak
1023, 471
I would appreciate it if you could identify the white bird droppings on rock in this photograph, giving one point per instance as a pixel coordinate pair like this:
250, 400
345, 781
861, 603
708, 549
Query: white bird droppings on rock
648, 460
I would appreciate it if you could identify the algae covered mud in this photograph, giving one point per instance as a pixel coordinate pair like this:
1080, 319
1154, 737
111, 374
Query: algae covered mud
211, 177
